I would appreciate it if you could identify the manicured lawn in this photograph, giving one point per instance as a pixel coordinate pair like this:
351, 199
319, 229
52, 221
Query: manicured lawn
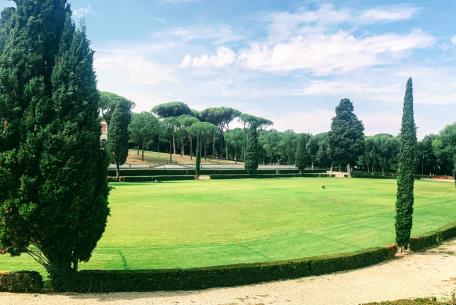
190, 224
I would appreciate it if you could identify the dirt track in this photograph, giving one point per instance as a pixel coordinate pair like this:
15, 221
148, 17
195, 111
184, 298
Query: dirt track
432, 273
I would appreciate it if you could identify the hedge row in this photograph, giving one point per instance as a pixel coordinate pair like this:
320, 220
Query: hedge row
431, 301
224, 276
433, 238
23, 281
223, 176
176, 172
357, 174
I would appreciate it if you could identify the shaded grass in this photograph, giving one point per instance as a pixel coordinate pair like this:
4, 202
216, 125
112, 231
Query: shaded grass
205, 223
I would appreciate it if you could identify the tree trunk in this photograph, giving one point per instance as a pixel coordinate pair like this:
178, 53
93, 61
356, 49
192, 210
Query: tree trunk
191, 147
117, 171
226, 148
170, 152
182, 149
60, 273
174, 143
349, 170
142, 156
205, 150
213, 147
235, 153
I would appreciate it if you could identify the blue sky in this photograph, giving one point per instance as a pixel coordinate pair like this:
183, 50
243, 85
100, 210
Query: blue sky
289, 61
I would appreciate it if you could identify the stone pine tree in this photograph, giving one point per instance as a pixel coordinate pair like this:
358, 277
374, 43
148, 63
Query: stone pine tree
302, 157
346, 138
406, 171
251, 152
118, 135
53, 170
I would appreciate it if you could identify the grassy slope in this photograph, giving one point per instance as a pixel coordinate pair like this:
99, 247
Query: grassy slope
188, 223
151, 157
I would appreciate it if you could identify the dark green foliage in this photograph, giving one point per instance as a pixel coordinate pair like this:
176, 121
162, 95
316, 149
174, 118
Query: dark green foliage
53, 193
118, 134
432, 301
445, 148
21, 282
108, 102
198, 156
302, 157
251, 152
144, 127
172, 109
223, 276
433, 239
248, 120
406, 171
346, 138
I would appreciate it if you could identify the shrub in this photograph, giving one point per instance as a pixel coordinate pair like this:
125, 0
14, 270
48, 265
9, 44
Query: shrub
412, 302
433, 238
23, 281
223, 276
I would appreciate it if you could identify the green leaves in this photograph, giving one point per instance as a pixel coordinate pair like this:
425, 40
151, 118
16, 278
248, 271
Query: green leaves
251, 152
406, 171
346, 138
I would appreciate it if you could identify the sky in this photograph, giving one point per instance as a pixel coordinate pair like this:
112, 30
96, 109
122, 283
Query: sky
290, 61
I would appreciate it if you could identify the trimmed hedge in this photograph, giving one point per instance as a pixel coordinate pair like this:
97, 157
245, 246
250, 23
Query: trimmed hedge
178, 172
223, 276
23, 281
432, 301
246, 176
375, 175
433, 238
152, 178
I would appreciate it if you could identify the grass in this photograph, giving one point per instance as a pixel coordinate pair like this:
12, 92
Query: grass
157, 158
190, 224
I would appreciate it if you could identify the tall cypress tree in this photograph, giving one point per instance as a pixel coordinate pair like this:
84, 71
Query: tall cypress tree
406, 170
302, 158
118, 134
54, 205
251, 152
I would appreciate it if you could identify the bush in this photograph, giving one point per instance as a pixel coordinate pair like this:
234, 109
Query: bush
433, 238
411, 302
23, 281
177, 172
224, 276
375, 175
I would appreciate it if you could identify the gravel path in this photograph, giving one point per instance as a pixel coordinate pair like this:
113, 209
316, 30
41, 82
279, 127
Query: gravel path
432, 273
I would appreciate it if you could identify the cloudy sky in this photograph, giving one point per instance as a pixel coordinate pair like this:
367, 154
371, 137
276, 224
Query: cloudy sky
288, 60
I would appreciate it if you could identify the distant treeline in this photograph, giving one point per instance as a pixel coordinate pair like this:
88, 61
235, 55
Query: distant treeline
173, 127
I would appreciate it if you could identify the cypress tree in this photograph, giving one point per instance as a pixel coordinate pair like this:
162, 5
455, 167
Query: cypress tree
198, 154
406, 170
118, 134
54, 204
302, 158
251, 152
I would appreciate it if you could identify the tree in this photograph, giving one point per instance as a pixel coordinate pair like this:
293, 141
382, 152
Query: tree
53, 170
183, 124
108, 102
235, 139
346, 138
172, 109
302, 157
406, 171
220, 117
142, 129
445, 148
251, 153
118, 135
202, 130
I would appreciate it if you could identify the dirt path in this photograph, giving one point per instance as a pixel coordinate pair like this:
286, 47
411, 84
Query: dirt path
432, 273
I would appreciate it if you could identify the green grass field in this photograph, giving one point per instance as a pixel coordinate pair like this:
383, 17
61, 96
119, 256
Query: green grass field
190, 224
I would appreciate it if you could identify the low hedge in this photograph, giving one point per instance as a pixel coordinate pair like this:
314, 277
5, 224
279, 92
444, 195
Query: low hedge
152, 178
433, 238
375, 175
22, 281
223, 276
431, 301
175, 172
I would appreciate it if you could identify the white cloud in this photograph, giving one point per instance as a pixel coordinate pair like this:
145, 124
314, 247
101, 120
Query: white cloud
453, 39
315, 121
130, 67
330, 53
82, 11
222, 57
391, 14
218, 35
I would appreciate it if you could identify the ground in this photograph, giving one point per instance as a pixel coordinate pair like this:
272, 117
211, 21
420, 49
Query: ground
428, 274
204, 223
155, 158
